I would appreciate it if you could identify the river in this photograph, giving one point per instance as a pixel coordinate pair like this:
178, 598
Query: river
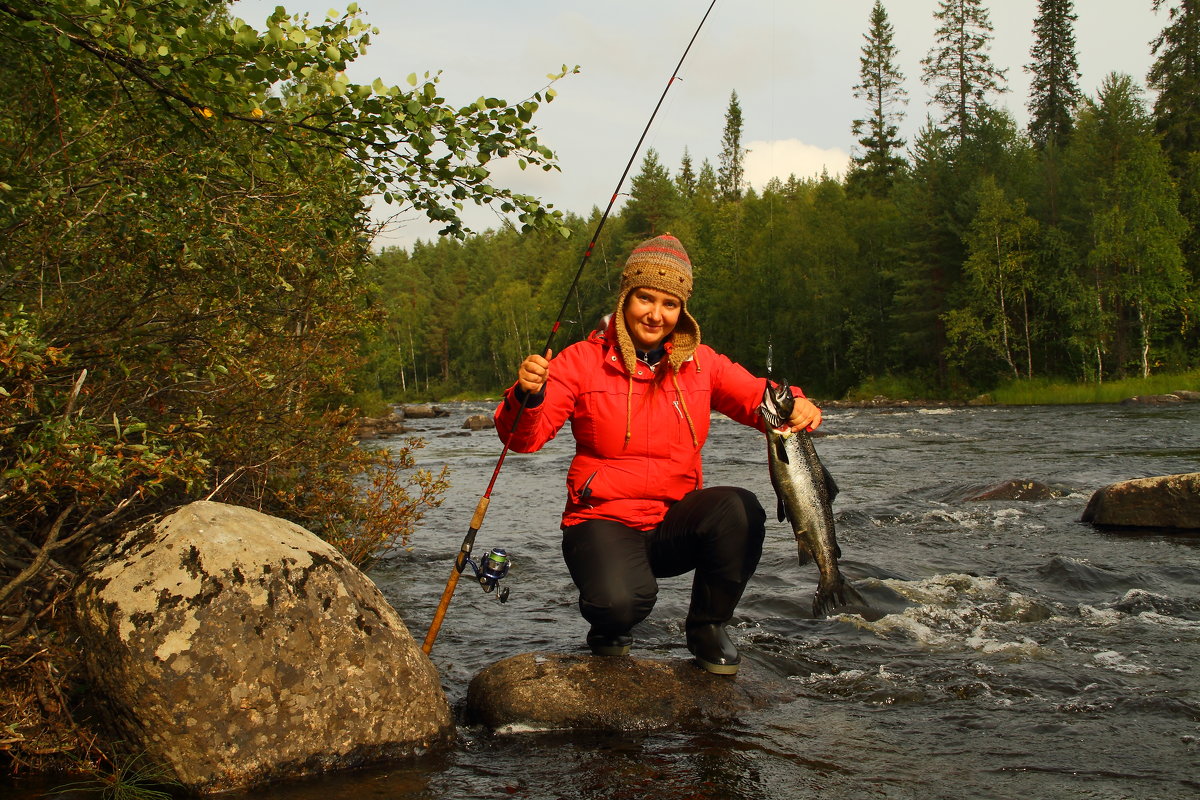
1026, 655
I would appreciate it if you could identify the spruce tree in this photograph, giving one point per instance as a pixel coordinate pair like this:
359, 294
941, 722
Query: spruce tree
732, 166
685, 180
881, 85
1175, 75
654, 199
959, 68
1054, 92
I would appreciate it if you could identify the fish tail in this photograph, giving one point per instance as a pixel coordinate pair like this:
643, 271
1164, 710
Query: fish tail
833, 596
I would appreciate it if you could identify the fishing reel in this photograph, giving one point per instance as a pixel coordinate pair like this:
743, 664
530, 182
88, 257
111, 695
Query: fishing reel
491, 570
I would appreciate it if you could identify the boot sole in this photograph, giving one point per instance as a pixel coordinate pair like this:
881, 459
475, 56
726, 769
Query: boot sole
717, 669
617, 650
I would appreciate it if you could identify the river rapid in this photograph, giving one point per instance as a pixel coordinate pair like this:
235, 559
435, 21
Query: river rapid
1024, 654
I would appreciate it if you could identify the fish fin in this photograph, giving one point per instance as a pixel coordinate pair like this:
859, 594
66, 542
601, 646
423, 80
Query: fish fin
781, 450
802, 551
782, 510
831, 487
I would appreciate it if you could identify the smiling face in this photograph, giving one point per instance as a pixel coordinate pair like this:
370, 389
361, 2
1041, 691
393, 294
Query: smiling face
650, 316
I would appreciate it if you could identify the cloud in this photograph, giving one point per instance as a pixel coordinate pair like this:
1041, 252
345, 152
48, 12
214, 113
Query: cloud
783, 158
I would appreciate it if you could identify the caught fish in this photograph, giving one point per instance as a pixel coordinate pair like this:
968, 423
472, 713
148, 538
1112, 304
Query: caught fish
805, 491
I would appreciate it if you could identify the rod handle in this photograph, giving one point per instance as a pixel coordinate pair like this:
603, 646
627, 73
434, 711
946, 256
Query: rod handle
440, 614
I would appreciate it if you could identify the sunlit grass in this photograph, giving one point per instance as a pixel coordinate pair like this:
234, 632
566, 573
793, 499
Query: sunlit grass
1047, 392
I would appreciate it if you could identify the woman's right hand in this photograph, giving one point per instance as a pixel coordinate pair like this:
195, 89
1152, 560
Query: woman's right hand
532, 374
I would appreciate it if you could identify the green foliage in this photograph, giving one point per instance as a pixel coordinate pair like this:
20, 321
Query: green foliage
185, 282
405, 143
1131, 228
995, 318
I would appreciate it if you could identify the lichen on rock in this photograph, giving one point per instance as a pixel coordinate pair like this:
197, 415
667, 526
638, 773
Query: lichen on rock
235, 648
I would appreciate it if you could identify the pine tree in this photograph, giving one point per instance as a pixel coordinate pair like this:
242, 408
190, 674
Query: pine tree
1055, 71
959, 68
882, 86
732, 166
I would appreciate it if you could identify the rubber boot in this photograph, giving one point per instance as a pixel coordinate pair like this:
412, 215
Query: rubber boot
713, 602
609, 644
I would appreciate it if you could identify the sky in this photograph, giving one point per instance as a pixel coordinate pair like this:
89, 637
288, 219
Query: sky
793, 64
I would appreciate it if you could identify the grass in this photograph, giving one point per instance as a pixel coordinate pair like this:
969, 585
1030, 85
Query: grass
132, 778
1048, 392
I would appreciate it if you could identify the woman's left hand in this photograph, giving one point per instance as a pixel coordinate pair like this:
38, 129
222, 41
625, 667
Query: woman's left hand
805, 416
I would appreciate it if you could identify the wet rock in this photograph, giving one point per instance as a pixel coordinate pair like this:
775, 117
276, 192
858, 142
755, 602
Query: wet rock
1153, 400
424, 412
235, 648
375, 427
1168, 501
1014, 490
479, 422
1188, 397
549, 691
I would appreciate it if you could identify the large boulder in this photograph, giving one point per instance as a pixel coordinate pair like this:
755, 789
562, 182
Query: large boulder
479, 422
1027, 490
550, 691
235, 648
1169, 501
377, 427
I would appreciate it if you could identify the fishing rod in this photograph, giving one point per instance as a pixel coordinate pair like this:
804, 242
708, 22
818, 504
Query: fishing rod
487, 577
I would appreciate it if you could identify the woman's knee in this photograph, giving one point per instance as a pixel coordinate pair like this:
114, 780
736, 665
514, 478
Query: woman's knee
617, 612
738, 508
609, 565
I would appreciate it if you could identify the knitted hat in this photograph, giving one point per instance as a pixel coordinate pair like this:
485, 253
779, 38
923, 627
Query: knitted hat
659, 263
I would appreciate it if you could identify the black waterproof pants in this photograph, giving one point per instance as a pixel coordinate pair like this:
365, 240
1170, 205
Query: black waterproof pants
718, 532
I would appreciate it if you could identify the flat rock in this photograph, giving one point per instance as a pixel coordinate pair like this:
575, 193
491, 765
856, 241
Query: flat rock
1153, 400
554, 691
235, 648
1168, 501
424, 411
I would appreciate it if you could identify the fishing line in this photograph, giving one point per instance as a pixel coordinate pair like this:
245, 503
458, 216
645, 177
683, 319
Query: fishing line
771, 201
464, 554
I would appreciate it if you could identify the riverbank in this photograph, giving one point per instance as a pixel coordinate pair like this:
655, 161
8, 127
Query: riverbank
899, 392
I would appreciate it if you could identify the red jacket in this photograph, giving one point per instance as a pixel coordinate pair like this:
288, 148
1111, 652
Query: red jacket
633, 482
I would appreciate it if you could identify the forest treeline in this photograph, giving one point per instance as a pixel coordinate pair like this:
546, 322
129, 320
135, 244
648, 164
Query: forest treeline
980, 252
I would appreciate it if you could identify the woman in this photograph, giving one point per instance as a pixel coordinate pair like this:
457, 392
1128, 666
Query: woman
638, 394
